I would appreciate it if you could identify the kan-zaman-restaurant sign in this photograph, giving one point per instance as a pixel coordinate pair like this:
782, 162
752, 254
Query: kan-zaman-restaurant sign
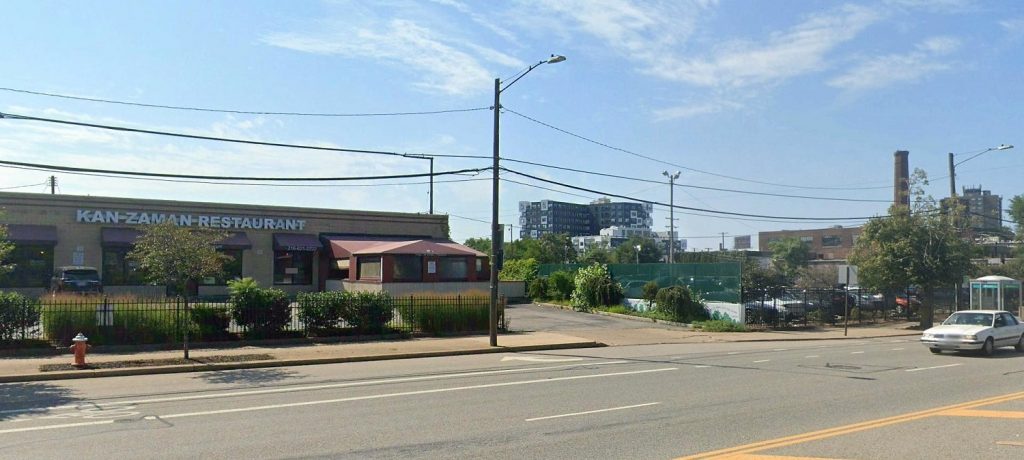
103, 216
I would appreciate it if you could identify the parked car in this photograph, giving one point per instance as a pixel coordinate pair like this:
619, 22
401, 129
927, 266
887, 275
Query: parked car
983, 330
787, 306
907, 304
77, 279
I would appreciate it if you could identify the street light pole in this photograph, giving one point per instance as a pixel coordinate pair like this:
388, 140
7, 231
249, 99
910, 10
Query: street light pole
496, 250
637, 254
671, 213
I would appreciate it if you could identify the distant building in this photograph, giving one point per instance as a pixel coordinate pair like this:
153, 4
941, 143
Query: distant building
833, 243
537, 218
613, 237
984, 209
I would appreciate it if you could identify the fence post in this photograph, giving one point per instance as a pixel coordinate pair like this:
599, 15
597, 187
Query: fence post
185, 335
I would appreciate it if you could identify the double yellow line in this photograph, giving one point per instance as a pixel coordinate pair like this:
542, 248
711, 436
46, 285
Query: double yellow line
956, 409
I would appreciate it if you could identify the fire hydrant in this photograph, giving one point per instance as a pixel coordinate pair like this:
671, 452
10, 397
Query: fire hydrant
80, 348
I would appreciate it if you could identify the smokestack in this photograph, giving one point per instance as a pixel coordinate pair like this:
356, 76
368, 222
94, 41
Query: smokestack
901, 178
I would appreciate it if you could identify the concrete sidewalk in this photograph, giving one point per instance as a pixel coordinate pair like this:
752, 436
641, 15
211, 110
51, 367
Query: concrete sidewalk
14, 369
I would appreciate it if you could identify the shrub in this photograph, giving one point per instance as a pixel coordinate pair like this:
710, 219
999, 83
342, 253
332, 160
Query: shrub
519, 270
263, 312
19, 316
321, 311
368, 312
144, 323
439, 315
650, 292
681, 304
210, 322
722, 325
560, 285
538, 289
594, 287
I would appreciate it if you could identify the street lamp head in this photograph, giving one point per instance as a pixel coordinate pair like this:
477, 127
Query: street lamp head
1004, 147
555, 58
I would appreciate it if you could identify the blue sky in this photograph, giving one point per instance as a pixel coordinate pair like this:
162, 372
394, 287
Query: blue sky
786, 98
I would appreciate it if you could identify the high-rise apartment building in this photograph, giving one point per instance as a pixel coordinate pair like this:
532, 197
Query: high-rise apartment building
984, 208
547, 216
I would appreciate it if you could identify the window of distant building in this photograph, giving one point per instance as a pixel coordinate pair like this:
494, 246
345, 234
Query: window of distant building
232, 268
119, 270
831, 241
32, 266
408, 268
293, 267
369, 268
806, 239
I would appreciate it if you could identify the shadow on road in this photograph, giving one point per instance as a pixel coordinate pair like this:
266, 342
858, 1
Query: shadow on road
249, 376
17, 399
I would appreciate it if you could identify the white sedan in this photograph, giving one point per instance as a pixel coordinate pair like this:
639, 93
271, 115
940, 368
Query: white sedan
983, 330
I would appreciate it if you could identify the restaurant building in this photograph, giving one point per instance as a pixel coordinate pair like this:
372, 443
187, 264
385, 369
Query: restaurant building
294, 249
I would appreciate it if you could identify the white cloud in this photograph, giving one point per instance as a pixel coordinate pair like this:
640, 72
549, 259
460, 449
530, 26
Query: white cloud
438, 61
1015, 27
883, 71
692, 110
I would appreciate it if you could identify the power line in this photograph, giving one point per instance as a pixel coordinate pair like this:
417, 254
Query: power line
233, 178
700, 187
787, 218
24, 186
241, 112
656, 160
225, 139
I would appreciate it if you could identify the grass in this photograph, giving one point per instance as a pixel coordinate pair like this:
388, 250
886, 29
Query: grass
720, 325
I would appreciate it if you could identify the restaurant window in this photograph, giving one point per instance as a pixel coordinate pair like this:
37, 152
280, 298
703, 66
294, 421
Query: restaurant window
232, 268
408, 268
453, 268
119, 270
369, 268
32, 266
293, 267
338, 269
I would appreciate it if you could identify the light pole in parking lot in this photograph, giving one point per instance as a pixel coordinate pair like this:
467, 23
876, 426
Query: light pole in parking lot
671, 212
496, 232
637, 254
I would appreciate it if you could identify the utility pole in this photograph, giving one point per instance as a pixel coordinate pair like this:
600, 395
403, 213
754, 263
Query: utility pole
722, 246
671, 213
53, 185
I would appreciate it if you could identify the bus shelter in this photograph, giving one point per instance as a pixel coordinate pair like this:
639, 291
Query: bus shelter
996, 293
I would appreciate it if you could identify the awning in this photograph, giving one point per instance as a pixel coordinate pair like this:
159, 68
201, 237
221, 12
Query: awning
237, 240
421, 247
296, 242
118, 236
32, 234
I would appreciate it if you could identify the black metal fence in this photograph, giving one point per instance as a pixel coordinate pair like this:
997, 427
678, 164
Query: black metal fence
125, 321
788, 307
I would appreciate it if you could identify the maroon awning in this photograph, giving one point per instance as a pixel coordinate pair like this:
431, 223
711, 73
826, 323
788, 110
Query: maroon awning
296, 242
237, 240
118, 236
32, 234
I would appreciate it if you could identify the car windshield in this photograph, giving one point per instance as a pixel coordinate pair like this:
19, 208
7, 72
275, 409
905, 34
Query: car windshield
81, 275
973, 319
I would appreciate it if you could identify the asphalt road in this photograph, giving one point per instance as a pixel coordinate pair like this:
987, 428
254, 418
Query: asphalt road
872, 399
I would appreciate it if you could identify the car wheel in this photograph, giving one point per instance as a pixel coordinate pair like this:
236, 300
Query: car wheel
1020, 344
935, 350
988, 349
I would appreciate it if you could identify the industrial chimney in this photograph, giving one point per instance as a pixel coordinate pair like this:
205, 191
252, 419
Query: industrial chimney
901, 178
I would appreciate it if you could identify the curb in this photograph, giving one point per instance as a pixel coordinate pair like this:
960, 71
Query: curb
177, 369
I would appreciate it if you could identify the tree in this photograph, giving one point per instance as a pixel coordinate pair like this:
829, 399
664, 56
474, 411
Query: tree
817, 277
174, 256
626, 253
480, 244
913, 247
6, 247
596, 255
557, 248
522, 249
1016, 213
761, 282
789, 255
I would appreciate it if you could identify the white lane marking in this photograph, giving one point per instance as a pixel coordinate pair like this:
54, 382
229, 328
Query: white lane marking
701, 366
591, 412
897, 349
353, 398
812, 356
933, 367
856, 352
733, 353
410, 393
229, 394
781, 349
55, 427
539, 359
762, 361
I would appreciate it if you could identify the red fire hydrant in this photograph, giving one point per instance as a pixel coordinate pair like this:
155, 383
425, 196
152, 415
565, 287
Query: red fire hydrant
80, 348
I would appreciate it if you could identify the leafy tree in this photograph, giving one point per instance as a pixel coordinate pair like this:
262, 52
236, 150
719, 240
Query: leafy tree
596, 255
1016, 213
557, 248
519, 270
480, 244
174, 256
6, 247
626, 252
594, 287
817, 277
759, 281
560, 285
523, 249
789, 255
913, 247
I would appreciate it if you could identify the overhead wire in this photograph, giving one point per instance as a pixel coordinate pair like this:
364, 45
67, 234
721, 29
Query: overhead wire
657, 160
240, 112
24, 186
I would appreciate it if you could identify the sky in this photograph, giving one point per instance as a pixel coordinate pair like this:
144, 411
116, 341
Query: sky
777, 115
